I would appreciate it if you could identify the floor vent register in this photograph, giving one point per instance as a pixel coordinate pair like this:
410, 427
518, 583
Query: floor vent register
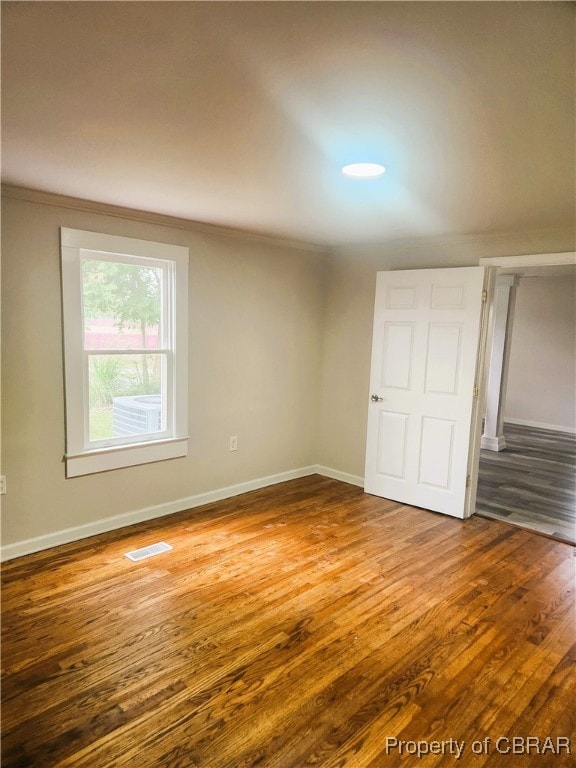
154, 549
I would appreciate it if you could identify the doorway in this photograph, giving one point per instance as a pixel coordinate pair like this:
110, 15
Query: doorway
531, 482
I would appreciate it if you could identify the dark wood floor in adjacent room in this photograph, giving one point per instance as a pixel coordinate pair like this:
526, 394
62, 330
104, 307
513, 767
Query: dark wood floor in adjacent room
532, 483
296, 626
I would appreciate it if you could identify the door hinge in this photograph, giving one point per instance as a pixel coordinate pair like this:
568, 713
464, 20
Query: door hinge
468, 481
475, 391
484, 296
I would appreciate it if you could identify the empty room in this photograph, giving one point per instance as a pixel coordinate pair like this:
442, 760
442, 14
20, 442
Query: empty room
288, 384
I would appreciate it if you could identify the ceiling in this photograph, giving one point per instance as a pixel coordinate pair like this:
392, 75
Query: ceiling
241, 114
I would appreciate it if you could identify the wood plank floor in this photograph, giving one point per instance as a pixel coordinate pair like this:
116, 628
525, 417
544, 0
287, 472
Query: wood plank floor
532, 483
297, 626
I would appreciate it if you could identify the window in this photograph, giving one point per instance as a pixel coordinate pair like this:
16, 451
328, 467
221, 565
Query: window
125, 351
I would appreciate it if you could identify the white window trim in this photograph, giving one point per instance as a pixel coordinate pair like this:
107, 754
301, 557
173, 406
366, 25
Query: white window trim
80, 458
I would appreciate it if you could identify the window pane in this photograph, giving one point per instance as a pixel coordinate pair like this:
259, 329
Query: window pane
122, 305
126, 395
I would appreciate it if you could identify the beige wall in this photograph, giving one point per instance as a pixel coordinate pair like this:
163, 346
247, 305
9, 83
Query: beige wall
280, 343
256, 311
542, 368
346, 367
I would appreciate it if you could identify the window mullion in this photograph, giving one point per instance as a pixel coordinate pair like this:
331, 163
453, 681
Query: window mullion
147, 351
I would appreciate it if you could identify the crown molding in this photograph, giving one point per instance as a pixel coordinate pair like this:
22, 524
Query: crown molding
42, 197
462, 249
532, 240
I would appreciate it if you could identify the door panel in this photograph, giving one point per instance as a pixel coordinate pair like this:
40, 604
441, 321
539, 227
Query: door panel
392, 433
436, 452
424, 353
443, 358
397, 357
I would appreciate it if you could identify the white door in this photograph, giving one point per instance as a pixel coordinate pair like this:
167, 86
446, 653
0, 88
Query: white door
422, 386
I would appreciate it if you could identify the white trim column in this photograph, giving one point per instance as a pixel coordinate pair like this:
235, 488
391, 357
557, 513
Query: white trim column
504, 301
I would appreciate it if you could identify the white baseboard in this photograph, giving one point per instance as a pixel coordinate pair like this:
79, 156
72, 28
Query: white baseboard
497, 443
344, 477
65, 536
541, 425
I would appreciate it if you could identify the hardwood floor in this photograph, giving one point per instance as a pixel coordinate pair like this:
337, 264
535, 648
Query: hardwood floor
297, 626
532, 483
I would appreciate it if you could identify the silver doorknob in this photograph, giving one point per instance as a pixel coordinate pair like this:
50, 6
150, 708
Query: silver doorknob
376, 399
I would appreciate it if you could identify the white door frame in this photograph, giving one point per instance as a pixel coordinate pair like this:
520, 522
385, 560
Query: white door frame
528, 265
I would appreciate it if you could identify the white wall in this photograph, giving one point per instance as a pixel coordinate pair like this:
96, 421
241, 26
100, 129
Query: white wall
542, 369
256, 311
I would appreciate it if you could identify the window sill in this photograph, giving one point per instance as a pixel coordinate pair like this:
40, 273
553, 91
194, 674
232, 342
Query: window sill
117, 457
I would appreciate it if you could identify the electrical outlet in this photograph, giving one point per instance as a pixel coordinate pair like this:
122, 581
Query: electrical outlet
2, 485
233, 443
